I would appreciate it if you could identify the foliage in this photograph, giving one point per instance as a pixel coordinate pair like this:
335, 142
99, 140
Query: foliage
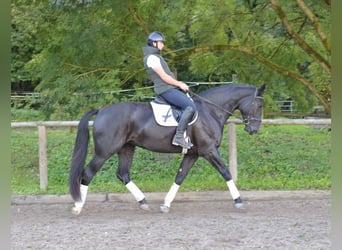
79, 54
24, 39
278, 157
18, 115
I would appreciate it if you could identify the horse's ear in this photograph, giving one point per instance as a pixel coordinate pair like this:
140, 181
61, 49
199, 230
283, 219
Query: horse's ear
261, 90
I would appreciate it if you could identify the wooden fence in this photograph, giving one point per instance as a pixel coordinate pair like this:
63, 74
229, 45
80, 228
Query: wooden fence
232, 150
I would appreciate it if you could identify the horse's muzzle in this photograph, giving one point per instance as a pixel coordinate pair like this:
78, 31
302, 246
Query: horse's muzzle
251, 130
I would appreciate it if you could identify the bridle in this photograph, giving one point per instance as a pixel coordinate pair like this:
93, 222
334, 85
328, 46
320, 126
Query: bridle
248, 118
245, 120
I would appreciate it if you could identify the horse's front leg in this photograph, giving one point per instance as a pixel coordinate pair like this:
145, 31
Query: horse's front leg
216, 160
183, 171
125, 163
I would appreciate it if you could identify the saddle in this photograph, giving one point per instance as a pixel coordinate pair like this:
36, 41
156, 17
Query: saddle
166, 114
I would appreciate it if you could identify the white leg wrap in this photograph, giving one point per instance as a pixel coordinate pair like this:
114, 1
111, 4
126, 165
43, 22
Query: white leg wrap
171, 195
84, 191
233, 190
79, 204
138, 195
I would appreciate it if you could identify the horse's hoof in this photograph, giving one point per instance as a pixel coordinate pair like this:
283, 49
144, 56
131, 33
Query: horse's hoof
164, 209
76, 210
145, 207
239, 205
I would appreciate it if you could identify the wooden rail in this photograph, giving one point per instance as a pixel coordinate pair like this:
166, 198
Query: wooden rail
232, 150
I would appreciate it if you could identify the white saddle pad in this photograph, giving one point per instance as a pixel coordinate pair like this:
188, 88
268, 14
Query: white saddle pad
163, 115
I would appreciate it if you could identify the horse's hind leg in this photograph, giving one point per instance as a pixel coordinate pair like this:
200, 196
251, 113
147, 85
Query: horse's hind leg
125, 163
89, 172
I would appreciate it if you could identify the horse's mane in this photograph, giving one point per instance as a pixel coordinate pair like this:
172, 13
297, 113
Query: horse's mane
224, 88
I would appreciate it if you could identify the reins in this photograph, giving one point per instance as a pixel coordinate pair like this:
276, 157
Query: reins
214, 104
245, 121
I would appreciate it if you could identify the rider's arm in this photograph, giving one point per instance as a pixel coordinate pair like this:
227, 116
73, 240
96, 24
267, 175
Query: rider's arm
154, 63
169, 79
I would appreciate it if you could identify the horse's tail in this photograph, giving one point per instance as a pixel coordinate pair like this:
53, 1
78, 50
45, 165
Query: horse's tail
79, 155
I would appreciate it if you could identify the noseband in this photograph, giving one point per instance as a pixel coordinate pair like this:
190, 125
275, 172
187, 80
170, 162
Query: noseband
248, 119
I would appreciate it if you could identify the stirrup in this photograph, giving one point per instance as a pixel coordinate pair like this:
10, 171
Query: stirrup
182, 142
185, 150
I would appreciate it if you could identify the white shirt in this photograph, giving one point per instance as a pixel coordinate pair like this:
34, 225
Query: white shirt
153, 62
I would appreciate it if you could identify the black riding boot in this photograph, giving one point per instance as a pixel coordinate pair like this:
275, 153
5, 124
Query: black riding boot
179, 139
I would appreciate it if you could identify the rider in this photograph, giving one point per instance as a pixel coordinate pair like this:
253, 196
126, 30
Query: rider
167, 86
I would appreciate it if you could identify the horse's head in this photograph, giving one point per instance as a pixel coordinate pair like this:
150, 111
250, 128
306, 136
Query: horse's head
251, 110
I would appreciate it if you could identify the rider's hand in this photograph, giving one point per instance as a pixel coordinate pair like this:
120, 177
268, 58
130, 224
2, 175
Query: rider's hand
183, 86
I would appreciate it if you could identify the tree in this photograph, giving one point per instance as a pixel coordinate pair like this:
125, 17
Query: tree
321, 56
295, 45
25, 41
90, 51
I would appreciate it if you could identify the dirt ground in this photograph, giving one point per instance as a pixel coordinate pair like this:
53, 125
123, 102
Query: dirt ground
267, 222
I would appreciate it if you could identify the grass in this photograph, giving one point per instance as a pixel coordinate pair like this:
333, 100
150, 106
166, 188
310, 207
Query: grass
282, 157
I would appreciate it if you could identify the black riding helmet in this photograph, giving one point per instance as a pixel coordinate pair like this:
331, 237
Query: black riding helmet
155, 37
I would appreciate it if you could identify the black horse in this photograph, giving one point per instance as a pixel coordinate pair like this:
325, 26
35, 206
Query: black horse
119, 128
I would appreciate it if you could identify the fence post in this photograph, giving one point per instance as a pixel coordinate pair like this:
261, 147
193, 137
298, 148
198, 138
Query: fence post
232, 150
43, 171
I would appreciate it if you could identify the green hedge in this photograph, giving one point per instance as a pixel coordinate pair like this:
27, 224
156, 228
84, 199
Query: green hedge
282, 157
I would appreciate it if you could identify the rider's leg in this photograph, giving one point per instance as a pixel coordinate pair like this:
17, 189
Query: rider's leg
179, 138
180, 99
